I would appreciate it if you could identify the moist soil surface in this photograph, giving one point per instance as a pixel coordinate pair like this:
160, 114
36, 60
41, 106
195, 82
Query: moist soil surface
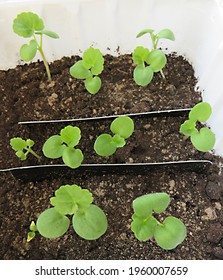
196, 194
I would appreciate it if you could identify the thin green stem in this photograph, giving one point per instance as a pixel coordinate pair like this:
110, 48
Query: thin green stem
29, 150
162, 74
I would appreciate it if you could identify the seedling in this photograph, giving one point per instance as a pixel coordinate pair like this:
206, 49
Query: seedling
203, 140
149, 62
32, 233
145, 226
27, 25
23, 147
88, 69
63, 146
89, 221
106, 145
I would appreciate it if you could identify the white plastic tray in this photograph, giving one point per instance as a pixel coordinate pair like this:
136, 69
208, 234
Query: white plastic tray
197, 25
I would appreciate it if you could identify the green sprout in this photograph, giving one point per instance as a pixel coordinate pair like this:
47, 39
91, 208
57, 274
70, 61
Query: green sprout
106, 145
27, 25
88, 69
23, 147
89, 221
203, 140
63, 146
32, 233
149, 62
145, 226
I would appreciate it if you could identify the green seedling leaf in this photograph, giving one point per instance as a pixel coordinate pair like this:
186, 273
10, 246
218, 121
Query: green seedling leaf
71, 135
145, 205
90, 224
72, 157
30, 236
166, 34
143, 75
28, 52
18, 144
93, 84
30, 142
203, 140
48, 33
53, 147
143, 228
79, 71
119, 141
144, 31
93, 59
52, 224
188, 127
200, 112
104, 145
140, 55
26, 23
71, 198
157, 60
32, 226
170, 234
21, 155
123, 126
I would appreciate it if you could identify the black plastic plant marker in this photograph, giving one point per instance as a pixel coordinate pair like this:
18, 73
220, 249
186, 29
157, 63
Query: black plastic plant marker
173, 112
40, 172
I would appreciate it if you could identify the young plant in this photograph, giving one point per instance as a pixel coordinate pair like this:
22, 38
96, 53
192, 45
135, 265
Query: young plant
106, 145
89, 221
88, 69
23, 147
203, 140
27, 25
63, 146
32, 233
149, 62
145, 226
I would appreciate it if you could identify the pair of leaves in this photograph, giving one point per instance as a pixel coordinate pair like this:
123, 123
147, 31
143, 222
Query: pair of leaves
19, 145
89, 221
203, 140
122, 127
156, 60
168, 234
63, 146
88, 69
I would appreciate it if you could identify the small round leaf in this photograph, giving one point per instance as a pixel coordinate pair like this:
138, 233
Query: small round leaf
170, 234
166, 34
200, 112
71, 135
123, 126
143, 75
90, 224
72, 157
49, 34
93, 84
119, 141
188, 127
53, 147
203, 140
157, 60
28, 52
144, 31
26, 23
140, 55
143, 228
79, 71
18, 143
30, 143
52, 224
104, 145
21, 155
92, 58
144, 205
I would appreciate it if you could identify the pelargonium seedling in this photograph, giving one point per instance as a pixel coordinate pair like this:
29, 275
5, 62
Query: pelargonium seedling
168, 234
32, 233
89, 221
88, 69
27, 25
203, 140
63, 146
149, 62
122, 127
23, 147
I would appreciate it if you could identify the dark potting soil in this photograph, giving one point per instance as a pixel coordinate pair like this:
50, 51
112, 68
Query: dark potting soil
196, 196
